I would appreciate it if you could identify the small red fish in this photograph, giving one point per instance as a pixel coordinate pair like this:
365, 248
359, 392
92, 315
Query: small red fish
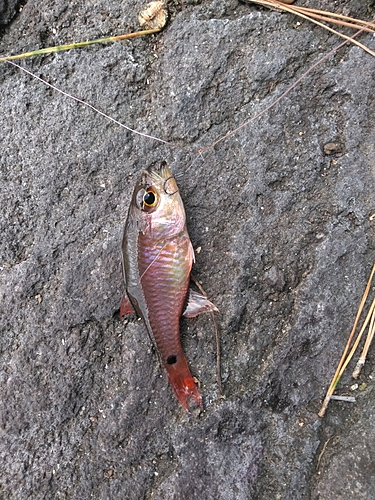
157, 260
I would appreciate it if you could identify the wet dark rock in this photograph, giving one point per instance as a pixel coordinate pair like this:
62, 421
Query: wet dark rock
286, 250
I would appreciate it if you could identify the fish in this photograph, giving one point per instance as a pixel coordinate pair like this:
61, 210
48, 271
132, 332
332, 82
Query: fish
157, 260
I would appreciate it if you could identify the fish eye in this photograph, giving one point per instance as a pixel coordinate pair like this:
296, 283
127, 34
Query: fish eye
149, 198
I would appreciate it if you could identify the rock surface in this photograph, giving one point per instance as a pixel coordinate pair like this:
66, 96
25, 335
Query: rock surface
8, 9
280, 210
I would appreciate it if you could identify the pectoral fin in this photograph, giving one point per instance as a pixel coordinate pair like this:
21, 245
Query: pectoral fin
125, 306
197, 304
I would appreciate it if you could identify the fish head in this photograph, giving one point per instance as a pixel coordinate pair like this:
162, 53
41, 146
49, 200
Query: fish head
156, 205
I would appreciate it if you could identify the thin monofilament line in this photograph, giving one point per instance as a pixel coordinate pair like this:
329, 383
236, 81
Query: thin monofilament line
176, 146
199, 156
284, 94
88, 105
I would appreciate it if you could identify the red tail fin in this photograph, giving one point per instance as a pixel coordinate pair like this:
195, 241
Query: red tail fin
182, 382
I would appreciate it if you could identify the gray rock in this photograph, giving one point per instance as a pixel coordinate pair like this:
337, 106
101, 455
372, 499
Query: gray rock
8, 10
286, 250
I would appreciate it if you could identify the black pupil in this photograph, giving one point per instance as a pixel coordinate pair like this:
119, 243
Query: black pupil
149, 198
171, 360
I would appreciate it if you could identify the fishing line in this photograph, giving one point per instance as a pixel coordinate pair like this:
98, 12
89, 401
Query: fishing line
284, 94
96, 110
199, 156
179, 175
199, 152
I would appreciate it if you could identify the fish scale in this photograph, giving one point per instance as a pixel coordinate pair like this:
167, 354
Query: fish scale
165, 275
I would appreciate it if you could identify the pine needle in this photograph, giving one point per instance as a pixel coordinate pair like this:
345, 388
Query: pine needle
345, 358
315, 16
370, 336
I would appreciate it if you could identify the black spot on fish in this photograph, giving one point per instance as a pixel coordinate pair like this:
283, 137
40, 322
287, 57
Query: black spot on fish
171, 360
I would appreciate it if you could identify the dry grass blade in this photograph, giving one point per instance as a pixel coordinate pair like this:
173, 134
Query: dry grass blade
78, 45
370, 336
312, 15
357, 341
345, 358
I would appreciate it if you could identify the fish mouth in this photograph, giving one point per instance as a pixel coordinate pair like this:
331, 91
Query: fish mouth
161, 174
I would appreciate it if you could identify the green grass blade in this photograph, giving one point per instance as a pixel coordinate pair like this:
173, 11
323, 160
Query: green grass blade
59, 48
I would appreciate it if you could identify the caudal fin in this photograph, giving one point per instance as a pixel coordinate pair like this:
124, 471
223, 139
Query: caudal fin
182, 382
